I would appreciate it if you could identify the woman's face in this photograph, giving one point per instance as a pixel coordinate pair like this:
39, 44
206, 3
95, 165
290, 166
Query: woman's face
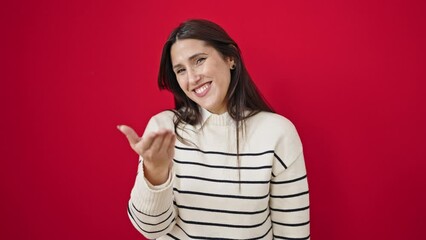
202, 73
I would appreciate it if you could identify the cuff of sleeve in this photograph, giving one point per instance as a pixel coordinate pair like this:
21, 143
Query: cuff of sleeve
150, 199
161, 186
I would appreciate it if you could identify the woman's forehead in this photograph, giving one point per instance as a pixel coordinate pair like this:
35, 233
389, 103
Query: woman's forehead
183, 50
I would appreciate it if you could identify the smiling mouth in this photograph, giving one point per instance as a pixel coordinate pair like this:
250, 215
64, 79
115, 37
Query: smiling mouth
202, 90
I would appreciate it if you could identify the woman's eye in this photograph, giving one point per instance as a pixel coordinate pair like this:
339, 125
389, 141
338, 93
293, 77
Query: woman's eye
180, 71
200, 60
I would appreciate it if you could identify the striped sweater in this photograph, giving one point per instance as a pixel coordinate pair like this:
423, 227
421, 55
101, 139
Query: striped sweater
212, 195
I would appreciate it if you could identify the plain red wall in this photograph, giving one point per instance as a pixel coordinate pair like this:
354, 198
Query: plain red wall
350, 75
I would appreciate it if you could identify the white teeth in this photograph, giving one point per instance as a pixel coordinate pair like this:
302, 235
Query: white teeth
202, 88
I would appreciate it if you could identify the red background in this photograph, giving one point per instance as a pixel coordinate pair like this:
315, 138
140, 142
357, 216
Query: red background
349, 74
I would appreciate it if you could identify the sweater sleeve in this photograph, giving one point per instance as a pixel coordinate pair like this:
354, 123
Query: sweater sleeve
289, 197
150, 208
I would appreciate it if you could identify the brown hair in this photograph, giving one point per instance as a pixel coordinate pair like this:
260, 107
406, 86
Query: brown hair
243, 98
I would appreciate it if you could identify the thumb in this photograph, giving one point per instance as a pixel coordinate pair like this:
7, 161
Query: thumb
131, 135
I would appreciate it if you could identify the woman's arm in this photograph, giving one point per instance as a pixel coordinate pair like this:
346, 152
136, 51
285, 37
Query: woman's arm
289, 193
150, 207
289, 202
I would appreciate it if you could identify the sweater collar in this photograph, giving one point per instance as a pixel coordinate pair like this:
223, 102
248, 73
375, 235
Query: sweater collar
223, 119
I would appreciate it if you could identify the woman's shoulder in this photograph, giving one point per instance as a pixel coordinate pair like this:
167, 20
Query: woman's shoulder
273, 125
275, 128
272, 120
164, 115
161, 120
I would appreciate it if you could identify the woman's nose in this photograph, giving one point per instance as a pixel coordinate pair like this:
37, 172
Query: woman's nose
193, 76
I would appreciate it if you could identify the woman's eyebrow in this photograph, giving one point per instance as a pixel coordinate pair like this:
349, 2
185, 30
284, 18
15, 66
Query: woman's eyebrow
190, 59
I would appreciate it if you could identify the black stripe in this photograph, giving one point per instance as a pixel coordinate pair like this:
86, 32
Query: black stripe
288, 181
223, 224
221, 180
292, 238
292, 224
149, 215
151, 224
224, 153
220, 210
290, 195
218, 238
281, 161
290, 210
219, 195
143, 230
170, 235
222, 167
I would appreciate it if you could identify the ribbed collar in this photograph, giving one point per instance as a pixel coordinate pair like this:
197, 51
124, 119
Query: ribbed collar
223, 119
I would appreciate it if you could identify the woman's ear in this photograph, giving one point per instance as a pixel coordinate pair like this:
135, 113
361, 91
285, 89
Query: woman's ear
231, 63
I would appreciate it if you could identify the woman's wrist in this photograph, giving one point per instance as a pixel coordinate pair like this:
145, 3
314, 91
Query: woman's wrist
156, 175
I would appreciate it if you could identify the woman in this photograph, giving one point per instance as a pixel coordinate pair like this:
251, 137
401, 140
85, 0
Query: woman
221, 165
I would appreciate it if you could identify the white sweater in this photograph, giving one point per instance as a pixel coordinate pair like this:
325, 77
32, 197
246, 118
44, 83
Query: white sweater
208, 196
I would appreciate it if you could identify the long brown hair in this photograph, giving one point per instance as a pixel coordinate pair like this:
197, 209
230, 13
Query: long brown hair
243, 98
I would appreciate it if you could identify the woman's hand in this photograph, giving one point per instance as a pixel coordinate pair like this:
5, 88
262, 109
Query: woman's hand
156, 149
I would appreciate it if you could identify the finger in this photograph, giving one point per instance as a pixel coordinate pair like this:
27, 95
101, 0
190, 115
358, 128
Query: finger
169, 141
131, 135
158, 141
172, 143
149, 138
147, 141
170, 146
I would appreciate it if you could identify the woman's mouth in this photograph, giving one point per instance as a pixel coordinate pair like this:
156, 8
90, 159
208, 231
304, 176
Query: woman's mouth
202, 90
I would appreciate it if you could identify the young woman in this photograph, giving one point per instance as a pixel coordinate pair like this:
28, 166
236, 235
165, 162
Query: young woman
221, 164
